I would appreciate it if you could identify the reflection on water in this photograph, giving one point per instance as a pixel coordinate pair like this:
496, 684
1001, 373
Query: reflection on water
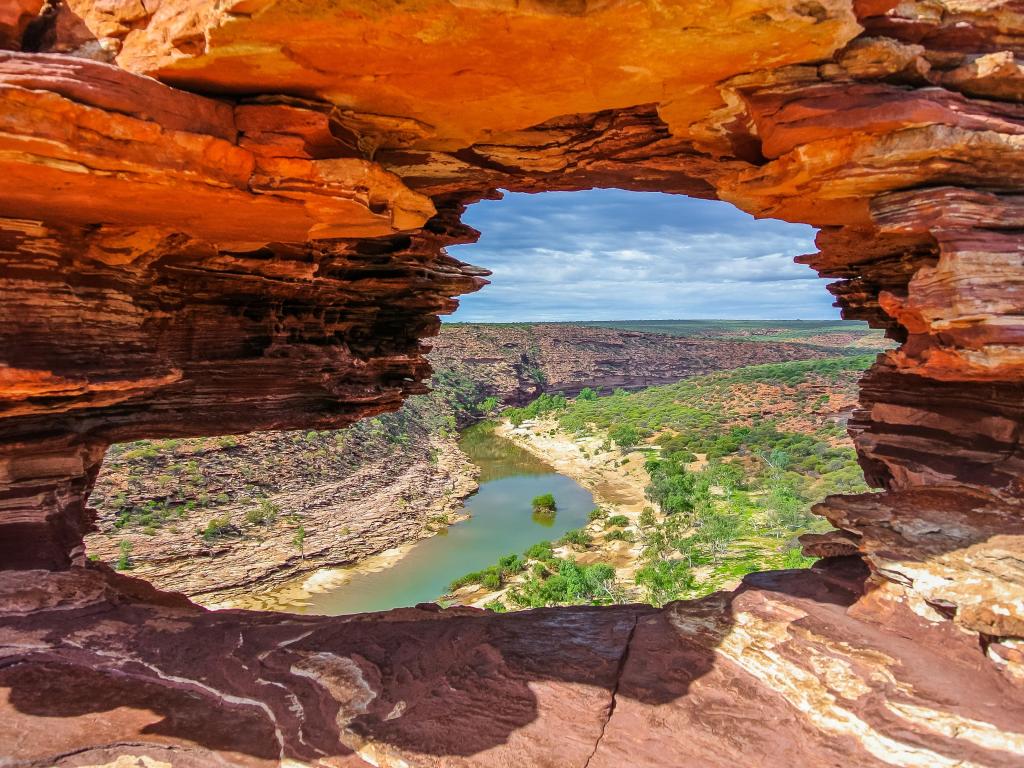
498, 457
544, 517
502, 522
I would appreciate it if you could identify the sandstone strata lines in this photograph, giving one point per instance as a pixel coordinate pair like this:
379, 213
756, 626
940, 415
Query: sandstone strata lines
274, 259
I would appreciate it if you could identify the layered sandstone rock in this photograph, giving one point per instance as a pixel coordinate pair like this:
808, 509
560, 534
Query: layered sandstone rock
258, 243
794, 667
517, 363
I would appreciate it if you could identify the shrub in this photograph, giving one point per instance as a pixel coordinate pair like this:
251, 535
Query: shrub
616, 521
794, 558
624, 435
574, 583
597, 514
124, 558
467, 578
218, 527
586, 394
542, 551
544, 503
263, 514
496, 605
511, 564
488, 577
620, 535
647, 517
665, 580
575, 538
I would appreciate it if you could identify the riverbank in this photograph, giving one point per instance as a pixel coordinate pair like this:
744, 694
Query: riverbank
377, 511
617, 479
496, 518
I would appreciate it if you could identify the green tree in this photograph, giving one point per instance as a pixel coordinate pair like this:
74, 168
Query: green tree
300, 540
624, 435
786, 509
672, 487
717, 532
665, 580
647, 517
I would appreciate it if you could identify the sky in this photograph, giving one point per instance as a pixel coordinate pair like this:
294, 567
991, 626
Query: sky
615, 255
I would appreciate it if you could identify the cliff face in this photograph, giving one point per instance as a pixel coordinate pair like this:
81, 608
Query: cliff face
217, 518
515, 363
254, 240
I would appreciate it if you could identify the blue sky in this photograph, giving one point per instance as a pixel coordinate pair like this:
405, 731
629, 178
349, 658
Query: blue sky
614, 255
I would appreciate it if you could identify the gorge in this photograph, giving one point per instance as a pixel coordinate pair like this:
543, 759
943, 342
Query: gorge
194, 514
228, 217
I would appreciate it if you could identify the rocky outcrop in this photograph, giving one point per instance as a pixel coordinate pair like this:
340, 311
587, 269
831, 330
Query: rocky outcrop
515, 363
159, 299
792, 667
256, 242
353, 495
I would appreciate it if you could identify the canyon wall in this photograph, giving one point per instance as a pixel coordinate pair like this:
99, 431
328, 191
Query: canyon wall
516, 363
215, 518
228, 216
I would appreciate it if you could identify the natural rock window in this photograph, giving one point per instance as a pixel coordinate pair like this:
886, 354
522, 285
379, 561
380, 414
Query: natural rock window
220, 217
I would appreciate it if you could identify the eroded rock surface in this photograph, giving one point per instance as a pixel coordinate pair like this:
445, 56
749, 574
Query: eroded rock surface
257, 243
793, 666
517, 363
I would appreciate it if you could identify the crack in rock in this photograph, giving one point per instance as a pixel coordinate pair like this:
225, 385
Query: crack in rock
615, 690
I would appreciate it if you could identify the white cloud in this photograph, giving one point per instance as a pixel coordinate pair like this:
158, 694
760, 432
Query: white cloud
609, 254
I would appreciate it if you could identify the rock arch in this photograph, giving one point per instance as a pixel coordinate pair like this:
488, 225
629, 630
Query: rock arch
254, 239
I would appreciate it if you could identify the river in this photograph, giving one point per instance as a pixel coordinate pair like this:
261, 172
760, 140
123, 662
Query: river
501, 522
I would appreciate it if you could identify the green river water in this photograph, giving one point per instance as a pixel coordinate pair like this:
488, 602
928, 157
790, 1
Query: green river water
501, 522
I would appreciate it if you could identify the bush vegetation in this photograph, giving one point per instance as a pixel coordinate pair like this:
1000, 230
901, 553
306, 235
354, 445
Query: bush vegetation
264, 513
732, 491
549, 580
543, 405
577, 537
218, 527
545, 503
124, 556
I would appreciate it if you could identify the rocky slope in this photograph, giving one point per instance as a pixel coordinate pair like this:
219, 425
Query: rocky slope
214, 518
230, 216
515, 363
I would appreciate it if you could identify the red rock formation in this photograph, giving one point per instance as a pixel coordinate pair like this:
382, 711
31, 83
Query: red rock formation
517, 363
267, 252
791, 668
